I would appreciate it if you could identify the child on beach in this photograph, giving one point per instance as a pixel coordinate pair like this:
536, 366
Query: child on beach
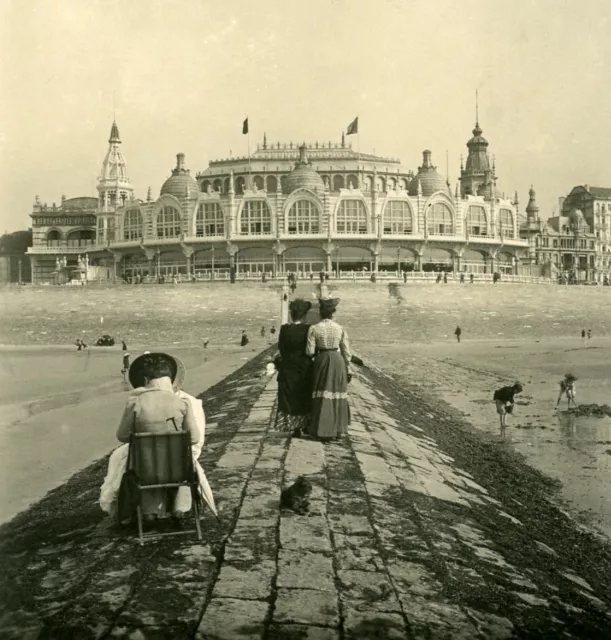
567, 387
125, 368
504, 400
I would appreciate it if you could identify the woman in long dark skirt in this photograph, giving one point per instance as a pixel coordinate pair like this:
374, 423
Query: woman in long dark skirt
295, 371
328, 341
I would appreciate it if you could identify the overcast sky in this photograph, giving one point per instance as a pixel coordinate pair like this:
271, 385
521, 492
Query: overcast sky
185, 73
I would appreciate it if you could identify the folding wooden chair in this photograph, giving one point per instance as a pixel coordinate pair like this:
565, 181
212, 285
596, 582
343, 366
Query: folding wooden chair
164, 461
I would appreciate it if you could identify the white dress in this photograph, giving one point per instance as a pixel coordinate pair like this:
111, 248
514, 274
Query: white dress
117, 465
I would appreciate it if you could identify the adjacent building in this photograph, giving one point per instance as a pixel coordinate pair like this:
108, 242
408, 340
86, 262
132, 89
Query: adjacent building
288, 207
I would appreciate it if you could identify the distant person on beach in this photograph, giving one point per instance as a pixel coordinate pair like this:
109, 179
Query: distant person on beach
157, 380
125, 368
471, 278
328, 343
123, 345
294, 371
445, 277
79, 344
244, 339
263, 332
457, 333
405, 276
438, 278
567, 388
504, 400
462, 278
206, 341
583, 336
589, 333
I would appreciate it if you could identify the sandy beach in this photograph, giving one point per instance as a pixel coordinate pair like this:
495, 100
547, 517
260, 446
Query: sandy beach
59, 409
574, 451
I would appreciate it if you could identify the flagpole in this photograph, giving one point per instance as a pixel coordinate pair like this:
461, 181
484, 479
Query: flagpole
249, 165
358, 143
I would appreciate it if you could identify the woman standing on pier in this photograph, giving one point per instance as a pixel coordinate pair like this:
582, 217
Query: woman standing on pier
328, 342
294, 371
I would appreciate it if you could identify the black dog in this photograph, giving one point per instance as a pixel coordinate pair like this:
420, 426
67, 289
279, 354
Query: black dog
297, 496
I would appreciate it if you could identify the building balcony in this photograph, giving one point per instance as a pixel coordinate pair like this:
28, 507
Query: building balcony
62, 247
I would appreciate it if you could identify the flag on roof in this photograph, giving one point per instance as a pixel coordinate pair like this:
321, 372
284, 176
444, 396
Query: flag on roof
245, 126
353, 127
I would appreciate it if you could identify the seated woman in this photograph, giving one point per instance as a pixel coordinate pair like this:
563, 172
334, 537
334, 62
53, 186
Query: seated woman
155, 402
328, 342
294, 371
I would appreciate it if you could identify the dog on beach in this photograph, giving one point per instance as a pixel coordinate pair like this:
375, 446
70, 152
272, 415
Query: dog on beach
297, 496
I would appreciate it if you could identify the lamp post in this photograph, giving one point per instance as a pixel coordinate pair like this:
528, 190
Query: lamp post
19, 271
337, 262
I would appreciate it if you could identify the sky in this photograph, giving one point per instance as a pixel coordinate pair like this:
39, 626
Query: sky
181, 76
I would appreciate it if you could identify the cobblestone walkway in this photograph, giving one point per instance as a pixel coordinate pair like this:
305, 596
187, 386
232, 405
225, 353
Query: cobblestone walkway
400, 542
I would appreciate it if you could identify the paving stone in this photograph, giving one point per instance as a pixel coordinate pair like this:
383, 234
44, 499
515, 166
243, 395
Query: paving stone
356, 553
230, 619
234, 458
375, 469
252, 583
304, 606
251, 544
350, 524
373, 625
366, 590
304, 457
300, 632
261, 506
305, 570
434, 619
304, 533
414, 578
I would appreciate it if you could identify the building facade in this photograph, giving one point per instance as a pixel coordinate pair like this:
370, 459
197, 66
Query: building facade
574, 246
305, 209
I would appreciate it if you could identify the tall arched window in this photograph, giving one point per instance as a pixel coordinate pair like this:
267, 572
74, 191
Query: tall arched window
303, 217
209, 221
54, 238
351, 217
439, 220
398, 218
476, 221
168, 223
506, 219
271, 184
338, 182
132, 225
255, 219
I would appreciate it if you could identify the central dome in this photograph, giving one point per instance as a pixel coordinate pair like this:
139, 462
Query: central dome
180, 184
302, 176
430, 181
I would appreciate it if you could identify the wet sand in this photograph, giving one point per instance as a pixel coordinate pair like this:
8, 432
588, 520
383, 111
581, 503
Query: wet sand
59, 409
574, 450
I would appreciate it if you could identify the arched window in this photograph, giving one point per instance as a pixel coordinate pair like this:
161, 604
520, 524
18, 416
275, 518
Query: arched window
205, 185
351, 217
398, 218
338, 182
54, 238
476, 221
439, 220
240, 185
218, 185
168, 223
255, 219
506, 219
258, 182
303, 217
209, 221
353, 182
132, 225
272, 184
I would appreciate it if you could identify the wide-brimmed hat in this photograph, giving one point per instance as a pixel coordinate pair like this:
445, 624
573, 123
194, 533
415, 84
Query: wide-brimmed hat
177, 369
328, 302
570, 376
300, 307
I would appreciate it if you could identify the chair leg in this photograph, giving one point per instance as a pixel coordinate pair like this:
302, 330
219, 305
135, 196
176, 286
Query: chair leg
197, 522
140, 530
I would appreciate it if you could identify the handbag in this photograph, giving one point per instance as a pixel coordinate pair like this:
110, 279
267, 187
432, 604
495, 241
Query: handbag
128, 499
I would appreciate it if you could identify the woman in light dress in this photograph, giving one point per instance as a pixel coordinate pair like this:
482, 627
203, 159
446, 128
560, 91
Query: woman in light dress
156, 399
328, 343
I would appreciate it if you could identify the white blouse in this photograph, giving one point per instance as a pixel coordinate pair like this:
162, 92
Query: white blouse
328, 334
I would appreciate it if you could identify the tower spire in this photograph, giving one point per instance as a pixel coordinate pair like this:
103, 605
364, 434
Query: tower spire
476, 108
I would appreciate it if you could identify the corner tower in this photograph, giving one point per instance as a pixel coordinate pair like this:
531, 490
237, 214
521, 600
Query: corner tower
114, 187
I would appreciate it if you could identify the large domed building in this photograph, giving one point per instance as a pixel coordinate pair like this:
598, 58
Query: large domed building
306, 208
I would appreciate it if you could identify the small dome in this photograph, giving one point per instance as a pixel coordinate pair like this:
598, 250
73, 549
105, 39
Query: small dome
430, 181
478, 138
303, 176
180, 184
